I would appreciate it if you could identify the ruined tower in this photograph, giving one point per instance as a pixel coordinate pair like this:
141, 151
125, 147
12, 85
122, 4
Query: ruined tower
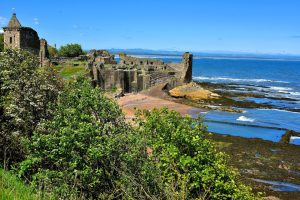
43, 49
187, 61
12, 33
17, 36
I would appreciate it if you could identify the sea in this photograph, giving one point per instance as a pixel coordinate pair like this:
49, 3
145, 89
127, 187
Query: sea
277, 79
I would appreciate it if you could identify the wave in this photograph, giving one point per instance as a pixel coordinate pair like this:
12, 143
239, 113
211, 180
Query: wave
245, 119
279, 110
281, 88
295, 93
208, 78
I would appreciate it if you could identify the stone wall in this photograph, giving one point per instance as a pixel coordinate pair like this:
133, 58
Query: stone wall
44, 49
30, 40
19, 37
22, 38
12, 39
135, 74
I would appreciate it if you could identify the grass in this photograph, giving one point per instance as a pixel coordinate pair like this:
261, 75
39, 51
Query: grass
68, 71
11, 188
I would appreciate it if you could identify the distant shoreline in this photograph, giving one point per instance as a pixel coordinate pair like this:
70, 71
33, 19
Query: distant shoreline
221, 57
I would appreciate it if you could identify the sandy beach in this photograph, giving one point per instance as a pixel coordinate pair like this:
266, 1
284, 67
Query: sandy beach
130, 102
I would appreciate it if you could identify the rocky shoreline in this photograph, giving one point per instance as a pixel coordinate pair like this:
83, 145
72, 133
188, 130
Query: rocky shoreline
257, 159
225, 97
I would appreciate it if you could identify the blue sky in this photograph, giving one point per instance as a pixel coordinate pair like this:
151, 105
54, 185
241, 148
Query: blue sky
258, 26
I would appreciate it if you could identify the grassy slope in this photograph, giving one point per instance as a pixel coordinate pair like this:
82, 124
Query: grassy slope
11, 188
68, 71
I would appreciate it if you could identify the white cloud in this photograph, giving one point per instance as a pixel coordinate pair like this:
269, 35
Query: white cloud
1, 31
3, 20
36, 21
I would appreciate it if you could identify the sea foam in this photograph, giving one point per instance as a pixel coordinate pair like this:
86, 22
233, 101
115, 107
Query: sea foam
245, 119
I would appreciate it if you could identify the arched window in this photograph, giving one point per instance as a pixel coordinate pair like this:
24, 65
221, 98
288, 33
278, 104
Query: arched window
10, 40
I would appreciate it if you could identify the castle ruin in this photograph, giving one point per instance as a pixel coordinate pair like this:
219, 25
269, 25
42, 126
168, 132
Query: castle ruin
19, 37
136, 74
131, 74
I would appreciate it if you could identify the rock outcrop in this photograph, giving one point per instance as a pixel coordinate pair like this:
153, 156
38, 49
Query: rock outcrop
193, 92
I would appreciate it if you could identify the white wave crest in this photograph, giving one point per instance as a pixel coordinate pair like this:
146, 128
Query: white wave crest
208, 78
278, 110
245, 119
280, 89
295, 93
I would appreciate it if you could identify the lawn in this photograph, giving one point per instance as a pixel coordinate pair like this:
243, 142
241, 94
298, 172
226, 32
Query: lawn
68, 71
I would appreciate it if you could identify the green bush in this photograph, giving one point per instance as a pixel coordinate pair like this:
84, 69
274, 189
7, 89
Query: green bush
188, 165
70, 50
25, 91
79, 152
53, 52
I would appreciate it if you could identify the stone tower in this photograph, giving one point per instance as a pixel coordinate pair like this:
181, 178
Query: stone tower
12, 34
18, 37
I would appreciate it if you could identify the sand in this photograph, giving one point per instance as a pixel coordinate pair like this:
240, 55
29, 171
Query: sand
129, 102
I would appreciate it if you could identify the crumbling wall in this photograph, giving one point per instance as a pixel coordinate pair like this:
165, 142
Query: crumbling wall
136, 74
22, 38
30, 40
129, 60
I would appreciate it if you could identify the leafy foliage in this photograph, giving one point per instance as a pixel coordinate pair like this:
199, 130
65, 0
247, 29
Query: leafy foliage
79, 152
70, 50
53, 52
25, 92
1, 42
189, 165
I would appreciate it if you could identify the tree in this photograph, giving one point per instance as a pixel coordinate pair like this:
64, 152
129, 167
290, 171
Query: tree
52, 51
25, 92
70, 50
1, 42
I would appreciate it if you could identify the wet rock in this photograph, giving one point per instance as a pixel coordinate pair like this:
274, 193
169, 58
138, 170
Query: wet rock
193, 92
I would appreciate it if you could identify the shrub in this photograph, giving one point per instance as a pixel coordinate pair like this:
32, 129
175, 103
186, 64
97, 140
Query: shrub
79, 152
52, 51
25, 92
189, 165
70, 50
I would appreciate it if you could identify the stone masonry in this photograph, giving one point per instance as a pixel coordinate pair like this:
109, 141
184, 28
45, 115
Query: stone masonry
17, 36
135, 74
